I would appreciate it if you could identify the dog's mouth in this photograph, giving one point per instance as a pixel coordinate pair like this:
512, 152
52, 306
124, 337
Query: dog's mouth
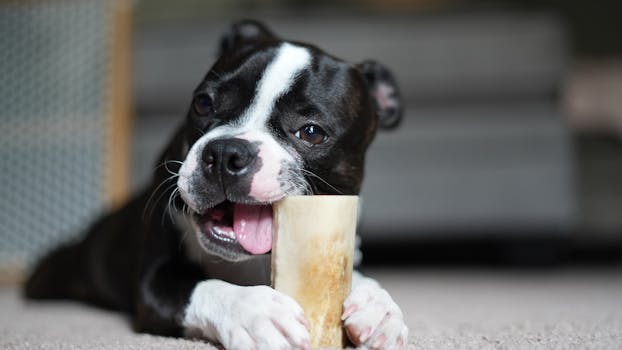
244, 226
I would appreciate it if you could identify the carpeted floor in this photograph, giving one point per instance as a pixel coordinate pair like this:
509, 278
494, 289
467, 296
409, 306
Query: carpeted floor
567, 309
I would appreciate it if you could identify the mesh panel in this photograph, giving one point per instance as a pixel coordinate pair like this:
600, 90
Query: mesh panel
52, 113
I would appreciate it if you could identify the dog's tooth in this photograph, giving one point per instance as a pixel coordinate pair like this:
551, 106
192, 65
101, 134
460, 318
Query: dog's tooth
224, 233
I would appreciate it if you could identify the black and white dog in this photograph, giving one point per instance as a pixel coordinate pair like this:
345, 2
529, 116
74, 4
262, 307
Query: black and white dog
271, 118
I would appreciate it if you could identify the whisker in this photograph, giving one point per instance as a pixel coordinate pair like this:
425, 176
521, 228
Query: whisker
154, 204
310, 173
155, 191
218, 75
166, 162
299, 184
160, 197
170, 171
185, 210
201, 131
169, 208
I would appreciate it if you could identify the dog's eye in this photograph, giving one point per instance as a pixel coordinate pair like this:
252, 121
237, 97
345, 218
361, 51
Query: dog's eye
202, 104
312, 134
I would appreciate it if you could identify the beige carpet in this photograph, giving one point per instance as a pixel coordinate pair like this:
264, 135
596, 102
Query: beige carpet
567, 309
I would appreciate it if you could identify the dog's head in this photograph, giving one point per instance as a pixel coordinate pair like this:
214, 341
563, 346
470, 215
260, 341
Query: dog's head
274, 118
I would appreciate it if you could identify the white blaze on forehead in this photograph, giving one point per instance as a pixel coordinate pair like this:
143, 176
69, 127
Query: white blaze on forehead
277, 79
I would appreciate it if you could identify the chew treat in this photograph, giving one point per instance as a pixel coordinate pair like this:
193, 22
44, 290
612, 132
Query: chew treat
312, 253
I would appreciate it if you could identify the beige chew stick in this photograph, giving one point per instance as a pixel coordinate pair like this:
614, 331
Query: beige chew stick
312, 253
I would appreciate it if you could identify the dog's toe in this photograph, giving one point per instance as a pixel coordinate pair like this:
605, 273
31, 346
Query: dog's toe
240, 339
277, 323
372, 319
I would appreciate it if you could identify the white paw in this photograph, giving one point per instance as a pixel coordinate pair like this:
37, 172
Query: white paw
247, 318
373, 320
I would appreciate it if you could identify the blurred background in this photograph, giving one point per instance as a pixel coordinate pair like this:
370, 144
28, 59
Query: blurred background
509, 154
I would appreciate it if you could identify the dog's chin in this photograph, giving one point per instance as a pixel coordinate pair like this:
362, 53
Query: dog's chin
232, 252
216, 235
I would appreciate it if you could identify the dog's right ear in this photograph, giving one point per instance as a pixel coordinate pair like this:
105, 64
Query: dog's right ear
243, 35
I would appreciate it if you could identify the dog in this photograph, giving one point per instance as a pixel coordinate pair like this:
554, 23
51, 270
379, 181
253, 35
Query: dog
189, 256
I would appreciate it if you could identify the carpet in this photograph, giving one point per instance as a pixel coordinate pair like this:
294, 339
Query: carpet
445, 309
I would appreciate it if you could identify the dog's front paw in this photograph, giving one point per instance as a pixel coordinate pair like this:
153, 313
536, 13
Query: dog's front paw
246, 318
373, 320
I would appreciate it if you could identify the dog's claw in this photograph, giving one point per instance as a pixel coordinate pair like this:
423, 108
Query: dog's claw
348, 311
380, 341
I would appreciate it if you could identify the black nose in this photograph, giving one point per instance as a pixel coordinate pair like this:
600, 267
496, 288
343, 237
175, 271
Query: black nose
229, 157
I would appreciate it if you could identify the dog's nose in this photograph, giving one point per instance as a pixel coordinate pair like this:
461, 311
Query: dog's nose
231, 157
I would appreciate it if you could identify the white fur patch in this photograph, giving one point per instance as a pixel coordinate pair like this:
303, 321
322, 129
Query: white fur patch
242, 318
278, 78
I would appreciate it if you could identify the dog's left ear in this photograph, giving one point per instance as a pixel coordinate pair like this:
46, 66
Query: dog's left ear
243, 35
384, 93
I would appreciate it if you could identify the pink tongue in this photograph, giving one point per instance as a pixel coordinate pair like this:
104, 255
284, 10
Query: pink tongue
252, 225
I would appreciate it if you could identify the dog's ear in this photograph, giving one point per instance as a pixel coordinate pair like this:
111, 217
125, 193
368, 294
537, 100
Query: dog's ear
242, 35
384, 93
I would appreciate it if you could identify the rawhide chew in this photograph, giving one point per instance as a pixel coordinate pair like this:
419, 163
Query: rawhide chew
312, 253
